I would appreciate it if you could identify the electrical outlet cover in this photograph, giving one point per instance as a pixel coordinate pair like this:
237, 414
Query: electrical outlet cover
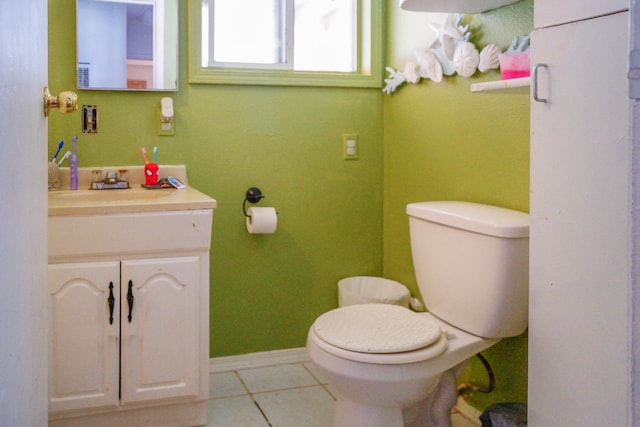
350, 146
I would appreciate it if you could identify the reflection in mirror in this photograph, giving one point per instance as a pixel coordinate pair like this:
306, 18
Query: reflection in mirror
127, 44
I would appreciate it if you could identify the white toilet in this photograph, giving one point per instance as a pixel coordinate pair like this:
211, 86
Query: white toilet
393, 367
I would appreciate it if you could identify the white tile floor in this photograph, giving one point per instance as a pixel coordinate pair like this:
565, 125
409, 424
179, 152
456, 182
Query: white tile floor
286, 395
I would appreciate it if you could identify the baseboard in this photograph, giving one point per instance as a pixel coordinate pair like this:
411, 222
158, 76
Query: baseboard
258, 360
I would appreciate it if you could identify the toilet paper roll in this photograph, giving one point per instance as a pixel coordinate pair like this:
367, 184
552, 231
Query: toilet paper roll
262, 220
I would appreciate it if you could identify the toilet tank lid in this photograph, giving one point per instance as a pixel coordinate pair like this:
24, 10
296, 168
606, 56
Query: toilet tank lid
485, 219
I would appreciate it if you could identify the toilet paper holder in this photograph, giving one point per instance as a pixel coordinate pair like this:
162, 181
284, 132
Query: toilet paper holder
253, 195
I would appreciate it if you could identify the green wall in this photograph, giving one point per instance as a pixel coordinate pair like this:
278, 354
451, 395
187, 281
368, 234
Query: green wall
443, 142
266, 290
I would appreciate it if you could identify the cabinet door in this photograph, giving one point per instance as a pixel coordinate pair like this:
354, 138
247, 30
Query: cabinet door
580, 169
83, 340
553, 12
160, 331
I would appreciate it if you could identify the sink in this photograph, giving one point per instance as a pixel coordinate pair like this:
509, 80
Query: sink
136, 199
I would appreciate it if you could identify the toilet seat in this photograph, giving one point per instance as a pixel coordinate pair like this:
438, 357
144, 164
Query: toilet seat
379, 333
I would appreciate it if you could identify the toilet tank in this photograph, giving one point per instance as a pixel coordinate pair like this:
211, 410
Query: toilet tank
472, 265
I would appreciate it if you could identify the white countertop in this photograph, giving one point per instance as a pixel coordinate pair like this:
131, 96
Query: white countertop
135, 199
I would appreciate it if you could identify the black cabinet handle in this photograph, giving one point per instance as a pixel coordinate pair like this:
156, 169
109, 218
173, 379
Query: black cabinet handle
130, 299
111, 301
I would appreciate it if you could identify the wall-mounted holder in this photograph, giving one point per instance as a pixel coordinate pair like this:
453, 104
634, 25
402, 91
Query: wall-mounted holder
166, 119
263, 220
253, 195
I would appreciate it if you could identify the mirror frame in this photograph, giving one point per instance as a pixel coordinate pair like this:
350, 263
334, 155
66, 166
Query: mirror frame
171, 43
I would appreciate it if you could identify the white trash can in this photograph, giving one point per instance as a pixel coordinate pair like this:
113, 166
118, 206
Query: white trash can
368, 290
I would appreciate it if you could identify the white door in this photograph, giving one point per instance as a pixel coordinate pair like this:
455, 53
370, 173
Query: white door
160, 328
580, 260
634, 333
84, 335
23, 213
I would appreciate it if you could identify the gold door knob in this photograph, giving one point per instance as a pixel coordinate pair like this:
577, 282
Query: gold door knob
66, 101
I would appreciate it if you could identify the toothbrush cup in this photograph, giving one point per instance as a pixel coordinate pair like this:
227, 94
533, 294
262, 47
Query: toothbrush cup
53, 176
150, 174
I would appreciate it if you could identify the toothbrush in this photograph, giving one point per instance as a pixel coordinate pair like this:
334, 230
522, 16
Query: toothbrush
155, 154
55, 156
73, 167
65, 157
144, 155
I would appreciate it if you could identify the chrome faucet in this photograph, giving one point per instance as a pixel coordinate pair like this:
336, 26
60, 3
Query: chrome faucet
112, 180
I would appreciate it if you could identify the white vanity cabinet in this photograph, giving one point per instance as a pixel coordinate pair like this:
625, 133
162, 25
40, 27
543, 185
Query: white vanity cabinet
159, 329
143, 326
84, 337
129, 311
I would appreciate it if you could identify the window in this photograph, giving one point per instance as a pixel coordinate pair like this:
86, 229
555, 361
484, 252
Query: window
291, 42
247, 33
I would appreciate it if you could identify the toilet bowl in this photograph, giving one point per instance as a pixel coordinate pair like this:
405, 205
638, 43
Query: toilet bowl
382, 389
393, 367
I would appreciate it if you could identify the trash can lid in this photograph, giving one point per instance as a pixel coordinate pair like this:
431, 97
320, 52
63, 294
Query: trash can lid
376, 328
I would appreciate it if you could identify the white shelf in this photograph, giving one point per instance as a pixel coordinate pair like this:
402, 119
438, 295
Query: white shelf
519, 85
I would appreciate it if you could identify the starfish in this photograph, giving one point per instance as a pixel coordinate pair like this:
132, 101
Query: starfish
446, 35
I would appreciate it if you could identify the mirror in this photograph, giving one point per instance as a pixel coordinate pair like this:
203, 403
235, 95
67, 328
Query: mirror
127, 44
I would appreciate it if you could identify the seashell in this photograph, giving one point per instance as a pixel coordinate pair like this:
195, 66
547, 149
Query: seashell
447, 66
466, 59
411, 73
431, 66
489, 58
447, 35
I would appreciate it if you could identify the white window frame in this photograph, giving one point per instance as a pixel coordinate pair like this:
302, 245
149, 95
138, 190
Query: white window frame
369, 72
287, 52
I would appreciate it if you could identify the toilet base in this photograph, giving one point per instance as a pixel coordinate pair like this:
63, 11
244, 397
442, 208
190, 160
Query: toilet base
353, 414
434, 411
